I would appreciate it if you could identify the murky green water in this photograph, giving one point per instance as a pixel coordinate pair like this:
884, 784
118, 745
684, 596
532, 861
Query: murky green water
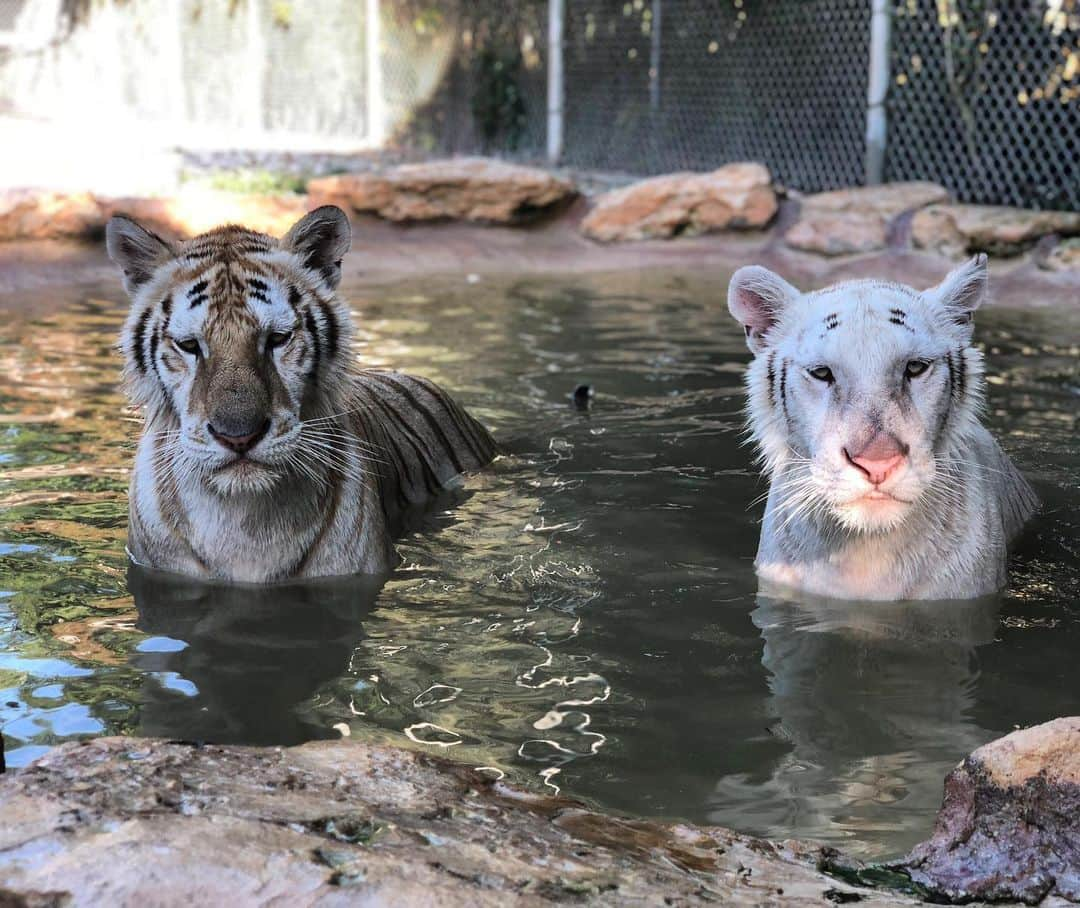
585, 618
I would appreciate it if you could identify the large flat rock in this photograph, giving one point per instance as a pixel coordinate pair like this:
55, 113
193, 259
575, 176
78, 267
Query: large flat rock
851, 221
735, 197
1009, 827
955, 230
126, 821
469, 189
30, 214
195, 211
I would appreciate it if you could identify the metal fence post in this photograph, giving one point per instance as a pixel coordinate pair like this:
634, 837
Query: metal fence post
555, 87
878, 88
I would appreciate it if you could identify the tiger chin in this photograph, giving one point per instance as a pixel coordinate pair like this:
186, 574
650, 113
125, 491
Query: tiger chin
864, 402
267, 454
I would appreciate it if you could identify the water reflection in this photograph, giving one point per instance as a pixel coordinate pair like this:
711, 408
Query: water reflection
231, 663
874, 700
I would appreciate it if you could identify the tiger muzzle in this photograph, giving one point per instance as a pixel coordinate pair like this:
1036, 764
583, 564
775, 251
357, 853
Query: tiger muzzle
239, 414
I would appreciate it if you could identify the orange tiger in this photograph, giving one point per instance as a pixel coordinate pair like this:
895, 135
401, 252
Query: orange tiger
267, 453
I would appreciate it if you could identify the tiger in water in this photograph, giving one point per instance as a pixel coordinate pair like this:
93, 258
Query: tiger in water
864, 401
267, 453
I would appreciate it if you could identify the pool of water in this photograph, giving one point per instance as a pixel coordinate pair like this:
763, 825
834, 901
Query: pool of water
585, 616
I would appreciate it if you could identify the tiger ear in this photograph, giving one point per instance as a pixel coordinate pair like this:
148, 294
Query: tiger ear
321, 238
139, 252
963, 290
757, 297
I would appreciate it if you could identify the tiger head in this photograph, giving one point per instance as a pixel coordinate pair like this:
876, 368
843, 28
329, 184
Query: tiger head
234, 339
861, 394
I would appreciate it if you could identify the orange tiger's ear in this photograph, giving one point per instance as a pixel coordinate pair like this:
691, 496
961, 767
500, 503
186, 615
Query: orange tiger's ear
756, 297
139, 252
321, 239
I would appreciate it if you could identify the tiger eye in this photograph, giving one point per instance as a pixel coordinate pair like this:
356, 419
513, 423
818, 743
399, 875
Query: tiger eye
189, 346
278, 339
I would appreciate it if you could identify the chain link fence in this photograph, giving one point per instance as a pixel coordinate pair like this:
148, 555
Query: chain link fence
984, 95
985, 98
654, 87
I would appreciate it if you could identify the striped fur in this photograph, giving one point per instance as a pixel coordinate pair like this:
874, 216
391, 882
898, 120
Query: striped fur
267, 453
940, 524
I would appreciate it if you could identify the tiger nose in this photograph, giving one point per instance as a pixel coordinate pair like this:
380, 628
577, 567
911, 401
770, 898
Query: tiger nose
879, 458
241, 441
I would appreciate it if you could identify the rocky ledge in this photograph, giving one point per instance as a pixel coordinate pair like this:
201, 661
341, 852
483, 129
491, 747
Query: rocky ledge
127, 821
954, 230
29, 214
1009, 828
857, 220
735, 197
470, 189
124, 821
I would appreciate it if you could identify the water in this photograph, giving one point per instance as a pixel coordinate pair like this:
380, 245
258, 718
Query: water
583, 616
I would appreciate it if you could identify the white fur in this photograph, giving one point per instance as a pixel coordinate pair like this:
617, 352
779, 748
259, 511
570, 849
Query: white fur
939, 526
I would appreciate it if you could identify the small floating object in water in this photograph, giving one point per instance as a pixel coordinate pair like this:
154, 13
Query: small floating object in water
582, 396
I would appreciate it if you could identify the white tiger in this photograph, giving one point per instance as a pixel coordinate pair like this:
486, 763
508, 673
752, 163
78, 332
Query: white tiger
864, 402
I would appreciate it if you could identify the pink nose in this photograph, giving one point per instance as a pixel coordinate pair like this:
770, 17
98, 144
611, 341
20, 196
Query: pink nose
880, 458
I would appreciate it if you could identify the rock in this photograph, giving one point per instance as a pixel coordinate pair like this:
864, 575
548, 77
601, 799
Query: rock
128, 821
857, 220
1065, 256
737, 196
38, 215
1009, 827
197, 210
471, 189
33, 214
956, 230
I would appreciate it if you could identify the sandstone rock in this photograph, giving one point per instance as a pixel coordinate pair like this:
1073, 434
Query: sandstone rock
962, 229
471, 189
30, 214
126, 821
197, 210
1065, 256
38, 215
737, 196
1009, 827
857, 220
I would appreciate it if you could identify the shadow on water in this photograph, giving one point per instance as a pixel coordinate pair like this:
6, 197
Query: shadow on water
242, 658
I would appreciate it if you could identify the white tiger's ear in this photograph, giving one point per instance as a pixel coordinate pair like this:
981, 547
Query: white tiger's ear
756, 297
321, 238
963, 290
139, 252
